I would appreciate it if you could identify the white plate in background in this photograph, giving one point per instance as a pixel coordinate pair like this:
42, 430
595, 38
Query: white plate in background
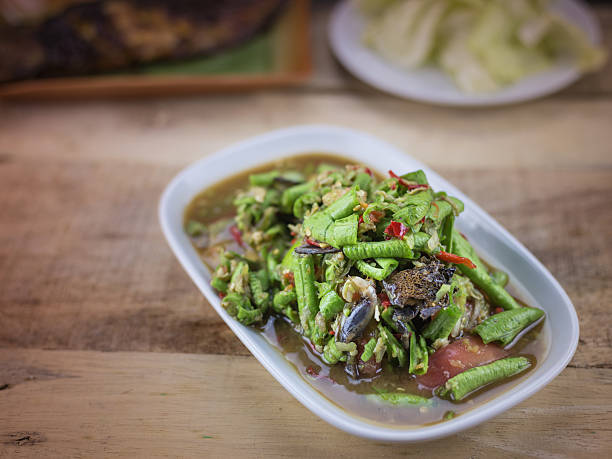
432, 85
528, 276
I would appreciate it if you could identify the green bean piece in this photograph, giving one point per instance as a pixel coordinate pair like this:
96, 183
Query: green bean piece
394, 248
317, 225
343, 206
249, 316
336, 265
417, 176
331, 354
259, 283
368, 350
442, 209
264, 179
304, 202
460, 386
240, 279
318, 329
387, 316
440, 326
342, 232
419, 357
504, 327
195, 228
330, 305
500, 278
446, 232
479, 275
306, 290
387, 266
239, 306
394, 348
401, 398
289, 259
420, 241
272, 265
219, 284
291, 194
272, 198
415, 208
363, 180
282, 299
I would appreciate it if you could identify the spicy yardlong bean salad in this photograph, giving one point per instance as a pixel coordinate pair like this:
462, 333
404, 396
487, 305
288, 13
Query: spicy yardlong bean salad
373, 274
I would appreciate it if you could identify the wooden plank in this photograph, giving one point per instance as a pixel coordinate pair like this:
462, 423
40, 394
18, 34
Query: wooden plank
84, 266
329, 74
550, 132
146, 404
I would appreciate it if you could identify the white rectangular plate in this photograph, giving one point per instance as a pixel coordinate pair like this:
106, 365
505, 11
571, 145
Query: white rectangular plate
529, 277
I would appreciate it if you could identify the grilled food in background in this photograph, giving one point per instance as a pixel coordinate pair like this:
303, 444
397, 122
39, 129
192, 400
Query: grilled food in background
100, 36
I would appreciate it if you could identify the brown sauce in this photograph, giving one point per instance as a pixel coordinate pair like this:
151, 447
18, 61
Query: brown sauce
214, 205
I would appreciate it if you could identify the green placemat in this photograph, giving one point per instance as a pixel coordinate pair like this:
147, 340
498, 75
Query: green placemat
255, 56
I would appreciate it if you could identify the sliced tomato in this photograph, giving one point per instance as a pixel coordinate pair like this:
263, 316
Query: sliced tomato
463, 354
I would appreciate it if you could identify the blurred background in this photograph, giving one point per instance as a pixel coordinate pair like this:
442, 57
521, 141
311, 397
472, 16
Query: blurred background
125, 47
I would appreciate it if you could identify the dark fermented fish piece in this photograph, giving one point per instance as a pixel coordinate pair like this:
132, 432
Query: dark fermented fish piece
115, 34
417, 287
307, 249
357, 321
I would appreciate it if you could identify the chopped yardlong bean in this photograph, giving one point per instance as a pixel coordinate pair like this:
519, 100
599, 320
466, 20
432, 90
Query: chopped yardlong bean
418, 355
368, 350
291, 194
460, 386
387, 265
394, 348
402, 398
500, 278
479, 275
441, 326
331, 304
504, 327
306, 291
379, 249
342, 232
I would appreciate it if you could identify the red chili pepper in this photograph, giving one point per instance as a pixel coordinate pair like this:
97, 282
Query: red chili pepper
312, 372
451, 258
410, 186
331, 332
312, 242
376, 215
437, 208
235, 232
393, 185
221, 295
498, 310
422, 220
368, 171
396, 229
384, 300
289, 277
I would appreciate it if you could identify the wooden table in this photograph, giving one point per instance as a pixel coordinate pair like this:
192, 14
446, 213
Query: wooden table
106, 347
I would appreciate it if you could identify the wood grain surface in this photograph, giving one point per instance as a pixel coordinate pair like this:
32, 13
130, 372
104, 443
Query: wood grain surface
107, 348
